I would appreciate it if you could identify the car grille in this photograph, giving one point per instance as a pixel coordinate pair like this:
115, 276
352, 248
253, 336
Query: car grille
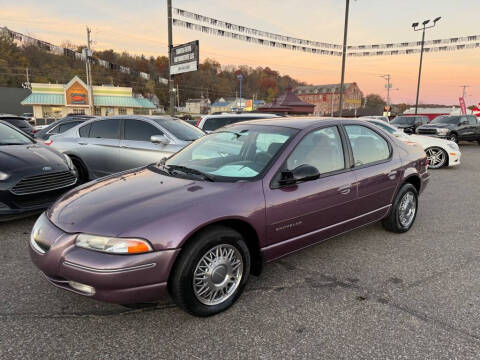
427, 131
43, 183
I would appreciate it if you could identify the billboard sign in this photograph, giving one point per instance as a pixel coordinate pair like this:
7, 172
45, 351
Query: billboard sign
184, 58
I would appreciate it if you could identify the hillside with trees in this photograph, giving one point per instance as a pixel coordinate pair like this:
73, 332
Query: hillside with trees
212, 80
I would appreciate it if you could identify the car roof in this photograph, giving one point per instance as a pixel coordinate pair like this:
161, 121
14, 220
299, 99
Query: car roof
9, 116
299, 123
227, 115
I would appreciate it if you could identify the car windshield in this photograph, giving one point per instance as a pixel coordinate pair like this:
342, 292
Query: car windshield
404, 120
446, 120
236, 153
9, 136
180, 129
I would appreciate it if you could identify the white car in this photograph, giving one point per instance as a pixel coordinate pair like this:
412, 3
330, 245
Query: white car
209, 123
440, 152
376, 117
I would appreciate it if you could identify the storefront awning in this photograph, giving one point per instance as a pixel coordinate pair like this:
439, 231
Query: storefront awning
107, 101
44, 99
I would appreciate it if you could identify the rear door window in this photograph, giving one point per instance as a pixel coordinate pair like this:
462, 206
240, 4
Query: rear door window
138, 130
105, 129
472, 120
368, 147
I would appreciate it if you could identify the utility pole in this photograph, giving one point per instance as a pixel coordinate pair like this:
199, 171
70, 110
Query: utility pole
89, 73
28, 77
388, 86
331, 97
170, 46
178, 96
464, 94
414, 25
344, 55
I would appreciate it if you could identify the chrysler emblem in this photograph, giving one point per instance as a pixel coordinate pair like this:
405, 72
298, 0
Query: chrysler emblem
47, 168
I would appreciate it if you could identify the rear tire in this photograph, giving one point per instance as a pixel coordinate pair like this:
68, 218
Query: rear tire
404, 210
211, 272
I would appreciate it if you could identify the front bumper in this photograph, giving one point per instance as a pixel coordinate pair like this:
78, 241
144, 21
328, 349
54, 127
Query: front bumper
454, 158
16, 206
121, 279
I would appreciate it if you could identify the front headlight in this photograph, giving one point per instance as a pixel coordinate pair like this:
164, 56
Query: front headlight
68, 161
442, 131
4, 176
113, 245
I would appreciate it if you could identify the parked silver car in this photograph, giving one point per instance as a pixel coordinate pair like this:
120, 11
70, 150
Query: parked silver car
210, 123
107, 145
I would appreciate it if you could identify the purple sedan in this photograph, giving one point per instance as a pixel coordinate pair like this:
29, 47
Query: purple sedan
197, 224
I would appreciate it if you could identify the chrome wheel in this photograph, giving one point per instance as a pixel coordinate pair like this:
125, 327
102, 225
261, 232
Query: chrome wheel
407, 209
436, 157
218, 274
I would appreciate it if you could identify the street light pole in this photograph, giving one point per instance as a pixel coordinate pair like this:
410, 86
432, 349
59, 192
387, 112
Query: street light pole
425, 27
170, 45
344, 55
240, 78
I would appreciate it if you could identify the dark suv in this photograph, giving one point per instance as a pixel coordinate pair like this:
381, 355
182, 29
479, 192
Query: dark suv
409, 123
453, 127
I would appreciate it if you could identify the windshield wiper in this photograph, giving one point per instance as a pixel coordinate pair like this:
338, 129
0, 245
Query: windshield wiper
188, 170
12, 143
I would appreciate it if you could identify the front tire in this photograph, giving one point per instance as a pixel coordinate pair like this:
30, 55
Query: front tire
437, 157
404, 210
453, 137
211, 272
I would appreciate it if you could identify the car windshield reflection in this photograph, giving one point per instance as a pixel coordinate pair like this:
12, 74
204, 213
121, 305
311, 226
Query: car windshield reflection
236, 153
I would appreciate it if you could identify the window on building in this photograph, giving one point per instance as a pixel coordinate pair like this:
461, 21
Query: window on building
79, 111
140, 111
105, 129
122, 111
138, 130
98, 111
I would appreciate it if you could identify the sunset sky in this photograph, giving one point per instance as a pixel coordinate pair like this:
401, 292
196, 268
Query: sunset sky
141, 27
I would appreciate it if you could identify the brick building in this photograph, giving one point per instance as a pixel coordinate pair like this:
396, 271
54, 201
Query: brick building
326, 98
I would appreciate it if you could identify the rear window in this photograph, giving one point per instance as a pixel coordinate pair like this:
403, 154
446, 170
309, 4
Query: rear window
64, 127
20, 123
180, 129
85, 130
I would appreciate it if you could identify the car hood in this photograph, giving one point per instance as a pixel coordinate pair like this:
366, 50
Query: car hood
403, 126
438, 126
20, 157
119, 204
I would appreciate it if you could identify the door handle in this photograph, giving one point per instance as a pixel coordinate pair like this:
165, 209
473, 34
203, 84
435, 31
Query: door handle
392, 175
345, 190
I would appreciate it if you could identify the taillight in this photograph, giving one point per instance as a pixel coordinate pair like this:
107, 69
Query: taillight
198, 122
35, 131
48, 142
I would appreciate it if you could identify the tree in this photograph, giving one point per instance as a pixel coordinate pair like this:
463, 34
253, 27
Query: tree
373, 100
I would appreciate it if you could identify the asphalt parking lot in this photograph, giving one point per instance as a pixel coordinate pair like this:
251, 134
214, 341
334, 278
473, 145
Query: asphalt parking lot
365, 295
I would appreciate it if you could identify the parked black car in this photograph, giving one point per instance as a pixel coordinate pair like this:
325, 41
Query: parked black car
19, 122
32, 175
60, 126
409, 123
453, 127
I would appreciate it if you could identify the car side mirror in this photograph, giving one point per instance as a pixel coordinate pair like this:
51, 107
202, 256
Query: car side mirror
159, 139
300, 174
464, 122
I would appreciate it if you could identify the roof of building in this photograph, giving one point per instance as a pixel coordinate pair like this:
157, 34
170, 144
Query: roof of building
320, 89
221, 103
116, 101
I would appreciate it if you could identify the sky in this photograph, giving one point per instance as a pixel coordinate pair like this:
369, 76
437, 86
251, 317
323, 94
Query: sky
141, 27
